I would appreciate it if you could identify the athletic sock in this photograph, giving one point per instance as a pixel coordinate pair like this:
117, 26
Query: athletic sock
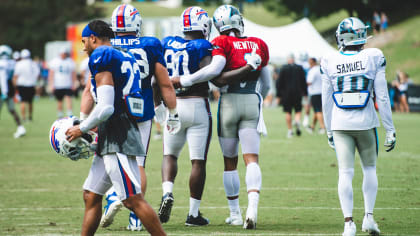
234, 206
194, 206
345, 191
167, 187
370, 188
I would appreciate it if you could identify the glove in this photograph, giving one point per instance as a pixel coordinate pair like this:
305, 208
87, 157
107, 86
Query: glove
253, 59
390, 140
330, 139
173, 124
160, 113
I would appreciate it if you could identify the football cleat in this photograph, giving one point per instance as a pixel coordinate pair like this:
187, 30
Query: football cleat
289, 134
166, 207
134, 223
297, 127
21, 131
349, 228
235, 218
196, 221
251, 219
110, 210
369, 225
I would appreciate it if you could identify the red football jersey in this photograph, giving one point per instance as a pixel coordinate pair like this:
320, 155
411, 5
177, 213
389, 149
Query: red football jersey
234, 50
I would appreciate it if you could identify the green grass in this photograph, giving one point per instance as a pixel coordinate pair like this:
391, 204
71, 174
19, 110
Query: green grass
41, 193
403, 53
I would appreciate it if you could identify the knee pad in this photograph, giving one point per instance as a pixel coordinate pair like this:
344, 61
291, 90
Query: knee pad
250, 140
253, 177
229, 146
231, 183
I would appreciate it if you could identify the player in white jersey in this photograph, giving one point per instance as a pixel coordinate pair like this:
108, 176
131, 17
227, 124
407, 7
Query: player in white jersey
7, 90
355, 75
25, 77
314, 81
62, 79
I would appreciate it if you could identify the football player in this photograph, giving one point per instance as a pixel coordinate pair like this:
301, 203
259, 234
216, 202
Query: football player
116, 87
7, 90
184, 56
353, 76
243, 60
62, 80
126, 23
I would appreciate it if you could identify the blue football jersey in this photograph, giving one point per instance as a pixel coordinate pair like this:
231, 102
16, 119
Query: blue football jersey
125, 73
183, 57
147, 52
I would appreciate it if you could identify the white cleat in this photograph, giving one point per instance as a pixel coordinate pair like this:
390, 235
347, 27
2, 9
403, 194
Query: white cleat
251, 219
349, 229
21, 131
134, 223
111, 209
369, 225
234, 219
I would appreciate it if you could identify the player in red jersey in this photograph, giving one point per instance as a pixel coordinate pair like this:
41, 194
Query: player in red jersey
243, 61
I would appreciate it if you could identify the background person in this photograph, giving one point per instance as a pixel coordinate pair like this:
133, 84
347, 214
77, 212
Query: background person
314, 81
291, 87
25, 78
62, 81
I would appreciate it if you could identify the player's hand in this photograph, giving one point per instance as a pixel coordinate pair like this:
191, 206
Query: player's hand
330, 139
390, 140
160, 113
253, 59
73, 133
176, 82
173, 124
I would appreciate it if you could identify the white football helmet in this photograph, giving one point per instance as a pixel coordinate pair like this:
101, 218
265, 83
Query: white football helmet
351, 31
5, 51
228, 17
126, 18
76, 149
196, 19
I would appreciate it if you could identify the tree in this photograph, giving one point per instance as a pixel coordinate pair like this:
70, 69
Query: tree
318, 8
30, 24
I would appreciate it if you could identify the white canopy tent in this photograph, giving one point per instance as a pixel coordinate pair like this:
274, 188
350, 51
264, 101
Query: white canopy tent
298, 38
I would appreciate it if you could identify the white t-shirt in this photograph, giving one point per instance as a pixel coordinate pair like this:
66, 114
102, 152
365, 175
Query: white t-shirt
63, 71
352, 72
27, 73
314, 77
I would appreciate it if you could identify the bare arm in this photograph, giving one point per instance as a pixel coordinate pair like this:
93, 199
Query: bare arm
51, 80
74, 80
167, 91
86, 104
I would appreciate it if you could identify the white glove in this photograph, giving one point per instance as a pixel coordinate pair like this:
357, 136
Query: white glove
390, 140
160, 113
253, 59
330, 139
173, 124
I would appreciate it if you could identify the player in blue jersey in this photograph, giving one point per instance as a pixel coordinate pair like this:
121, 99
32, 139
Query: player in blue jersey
126, 22
116, 88
184, 56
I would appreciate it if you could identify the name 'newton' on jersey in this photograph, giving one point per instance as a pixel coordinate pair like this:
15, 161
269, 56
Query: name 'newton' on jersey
234, 50
183, 57
147, 52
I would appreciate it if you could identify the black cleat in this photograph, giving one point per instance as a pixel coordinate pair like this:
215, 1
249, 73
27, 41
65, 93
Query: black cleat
196, 221
165, 207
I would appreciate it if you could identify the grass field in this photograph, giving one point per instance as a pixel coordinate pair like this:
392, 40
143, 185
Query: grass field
41, 193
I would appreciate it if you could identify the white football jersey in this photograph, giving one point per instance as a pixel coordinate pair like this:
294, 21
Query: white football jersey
352, 71
63, 71
4, 65
314, 77
27, 73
